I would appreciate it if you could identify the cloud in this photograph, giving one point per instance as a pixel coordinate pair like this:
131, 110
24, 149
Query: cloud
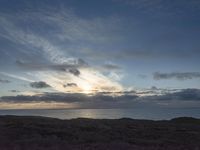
39, 85
130, 54
111, 67
154, 88
65, 97
71, 67
70, 85
176, 75
14, 91
117, 76
4, 81
74, 71
122, 99
53, 44
72, 63
46, 97
166, 8
185, 98
16, 77
142, 76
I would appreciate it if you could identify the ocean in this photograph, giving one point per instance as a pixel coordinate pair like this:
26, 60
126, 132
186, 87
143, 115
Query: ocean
152, 114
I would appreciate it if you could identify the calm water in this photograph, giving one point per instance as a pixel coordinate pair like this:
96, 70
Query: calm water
155, 114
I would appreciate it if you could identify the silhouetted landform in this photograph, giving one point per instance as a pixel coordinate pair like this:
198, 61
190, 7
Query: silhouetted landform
42, 133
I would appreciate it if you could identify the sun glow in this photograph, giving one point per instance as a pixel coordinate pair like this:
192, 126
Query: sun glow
86, 87
89, 81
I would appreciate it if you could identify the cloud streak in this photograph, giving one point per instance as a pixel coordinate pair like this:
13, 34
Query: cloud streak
66, 67
165, 8
16, 77
176, 75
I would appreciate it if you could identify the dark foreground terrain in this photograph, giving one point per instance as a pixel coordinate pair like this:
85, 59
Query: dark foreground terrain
40, 133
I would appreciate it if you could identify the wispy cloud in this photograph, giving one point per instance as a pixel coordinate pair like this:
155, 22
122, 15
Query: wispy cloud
4, 81
72, 67
70, 28
110, 66
176, 75
16, 77
14, 91
165, 8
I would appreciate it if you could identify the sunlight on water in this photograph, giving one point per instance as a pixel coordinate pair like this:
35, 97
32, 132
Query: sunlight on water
155, 114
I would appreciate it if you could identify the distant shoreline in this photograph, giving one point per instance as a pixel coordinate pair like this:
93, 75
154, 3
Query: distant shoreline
32, 116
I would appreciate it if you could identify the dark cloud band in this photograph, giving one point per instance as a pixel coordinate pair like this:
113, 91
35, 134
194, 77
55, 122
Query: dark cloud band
100, 99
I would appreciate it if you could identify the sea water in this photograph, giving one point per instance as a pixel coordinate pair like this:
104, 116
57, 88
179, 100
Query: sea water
155, 114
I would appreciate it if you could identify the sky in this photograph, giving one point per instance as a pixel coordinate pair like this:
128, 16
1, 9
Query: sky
99, 53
